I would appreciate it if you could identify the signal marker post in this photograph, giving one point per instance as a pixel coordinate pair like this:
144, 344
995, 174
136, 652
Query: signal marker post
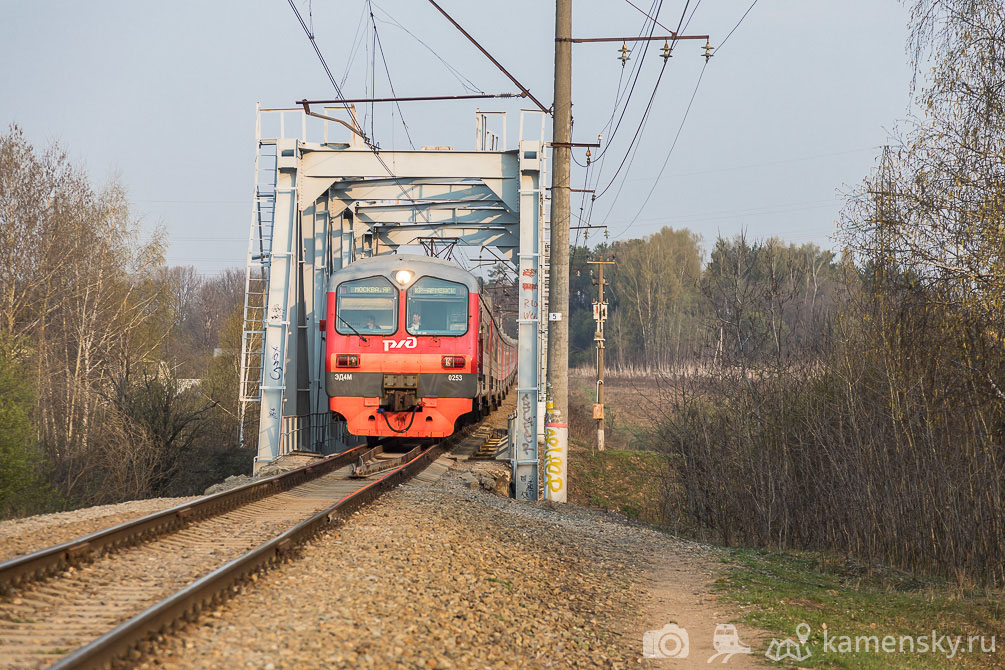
600, 316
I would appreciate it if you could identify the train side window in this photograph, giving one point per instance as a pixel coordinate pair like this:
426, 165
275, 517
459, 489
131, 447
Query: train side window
436, 307
370, 306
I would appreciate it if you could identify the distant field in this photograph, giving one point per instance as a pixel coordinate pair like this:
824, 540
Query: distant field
631, 402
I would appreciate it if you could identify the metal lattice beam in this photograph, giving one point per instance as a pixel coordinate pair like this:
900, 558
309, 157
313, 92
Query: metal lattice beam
334, 203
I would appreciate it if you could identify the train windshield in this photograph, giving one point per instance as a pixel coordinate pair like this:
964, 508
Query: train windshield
367, 305
437, 307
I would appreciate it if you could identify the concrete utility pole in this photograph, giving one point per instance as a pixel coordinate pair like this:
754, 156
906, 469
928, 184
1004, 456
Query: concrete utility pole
556, 429
600, 316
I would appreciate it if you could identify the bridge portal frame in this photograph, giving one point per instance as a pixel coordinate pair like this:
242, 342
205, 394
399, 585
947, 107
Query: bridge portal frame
319, 205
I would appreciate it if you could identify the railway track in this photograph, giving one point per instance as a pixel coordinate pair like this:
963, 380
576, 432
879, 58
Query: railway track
97, 601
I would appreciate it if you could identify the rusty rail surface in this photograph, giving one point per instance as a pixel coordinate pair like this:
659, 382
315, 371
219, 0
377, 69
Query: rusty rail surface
23, 569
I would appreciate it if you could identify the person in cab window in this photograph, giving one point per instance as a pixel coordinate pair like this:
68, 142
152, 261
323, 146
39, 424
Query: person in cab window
416, 324
370, 323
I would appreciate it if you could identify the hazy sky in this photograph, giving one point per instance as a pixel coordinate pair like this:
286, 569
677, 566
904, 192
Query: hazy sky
791, 111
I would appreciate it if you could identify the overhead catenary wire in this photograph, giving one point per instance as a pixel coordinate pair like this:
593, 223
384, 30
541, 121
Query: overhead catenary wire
352, 115
523, 89
357, 42
368, 84
464, 81
387, 71
324, 63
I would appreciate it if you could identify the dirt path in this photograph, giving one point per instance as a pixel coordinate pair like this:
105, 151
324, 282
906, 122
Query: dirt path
681, 593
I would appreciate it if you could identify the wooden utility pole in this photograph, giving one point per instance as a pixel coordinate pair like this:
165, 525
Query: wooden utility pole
556, 425
600, 316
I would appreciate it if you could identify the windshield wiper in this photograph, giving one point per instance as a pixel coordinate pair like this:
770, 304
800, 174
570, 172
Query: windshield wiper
350, 327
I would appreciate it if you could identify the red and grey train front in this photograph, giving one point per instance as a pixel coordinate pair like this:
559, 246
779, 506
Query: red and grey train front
401, 338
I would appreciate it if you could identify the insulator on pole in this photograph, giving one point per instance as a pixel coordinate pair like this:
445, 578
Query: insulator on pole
624, 50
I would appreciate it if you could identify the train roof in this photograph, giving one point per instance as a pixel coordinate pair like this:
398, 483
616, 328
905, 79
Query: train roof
420, 266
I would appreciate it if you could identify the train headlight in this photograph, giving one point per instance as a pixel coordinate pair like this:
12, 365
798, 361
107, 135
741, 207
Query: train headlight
347, 361
403, 277
451, 362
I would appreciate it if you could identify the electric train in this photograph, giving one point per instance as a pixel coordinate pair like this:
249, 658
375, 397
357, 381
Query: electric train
412, 348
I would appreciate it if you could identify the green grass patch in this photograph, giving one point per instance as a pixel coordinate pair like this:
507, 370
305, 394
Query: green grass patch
618, 480
778, 592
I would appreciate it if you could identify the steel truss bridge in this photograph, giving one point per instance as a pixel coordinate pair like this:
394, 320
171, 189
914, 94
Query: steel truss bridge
321, 204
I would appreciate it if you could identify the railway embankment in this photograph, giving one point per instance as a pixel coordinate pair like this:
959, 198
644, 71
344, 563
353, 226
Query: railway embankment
446, 574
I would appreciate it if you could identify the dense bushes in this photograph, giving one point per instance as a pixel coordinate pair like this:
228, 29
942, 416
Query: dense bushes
890, 449
22, 489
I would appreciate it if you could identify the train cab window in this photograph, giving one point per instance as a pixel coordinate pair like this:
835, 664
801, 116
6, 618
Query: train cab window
436, 307
368, 306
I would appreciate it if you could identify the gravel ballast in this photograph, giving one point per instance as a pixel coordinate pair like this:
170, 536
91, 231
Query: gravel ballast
23, 536
443, 575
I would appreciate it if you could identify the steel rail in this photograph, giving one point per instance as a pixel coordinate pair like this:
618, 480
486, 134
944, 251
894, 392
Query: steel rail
215, 586
36, 565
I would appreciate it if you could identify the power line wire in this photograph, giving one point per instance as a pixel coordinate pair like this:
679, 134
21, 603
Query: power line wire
681, 127
669, 153
725, 39
688, 23
643, 12
637, 70
625, 95
632, 146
